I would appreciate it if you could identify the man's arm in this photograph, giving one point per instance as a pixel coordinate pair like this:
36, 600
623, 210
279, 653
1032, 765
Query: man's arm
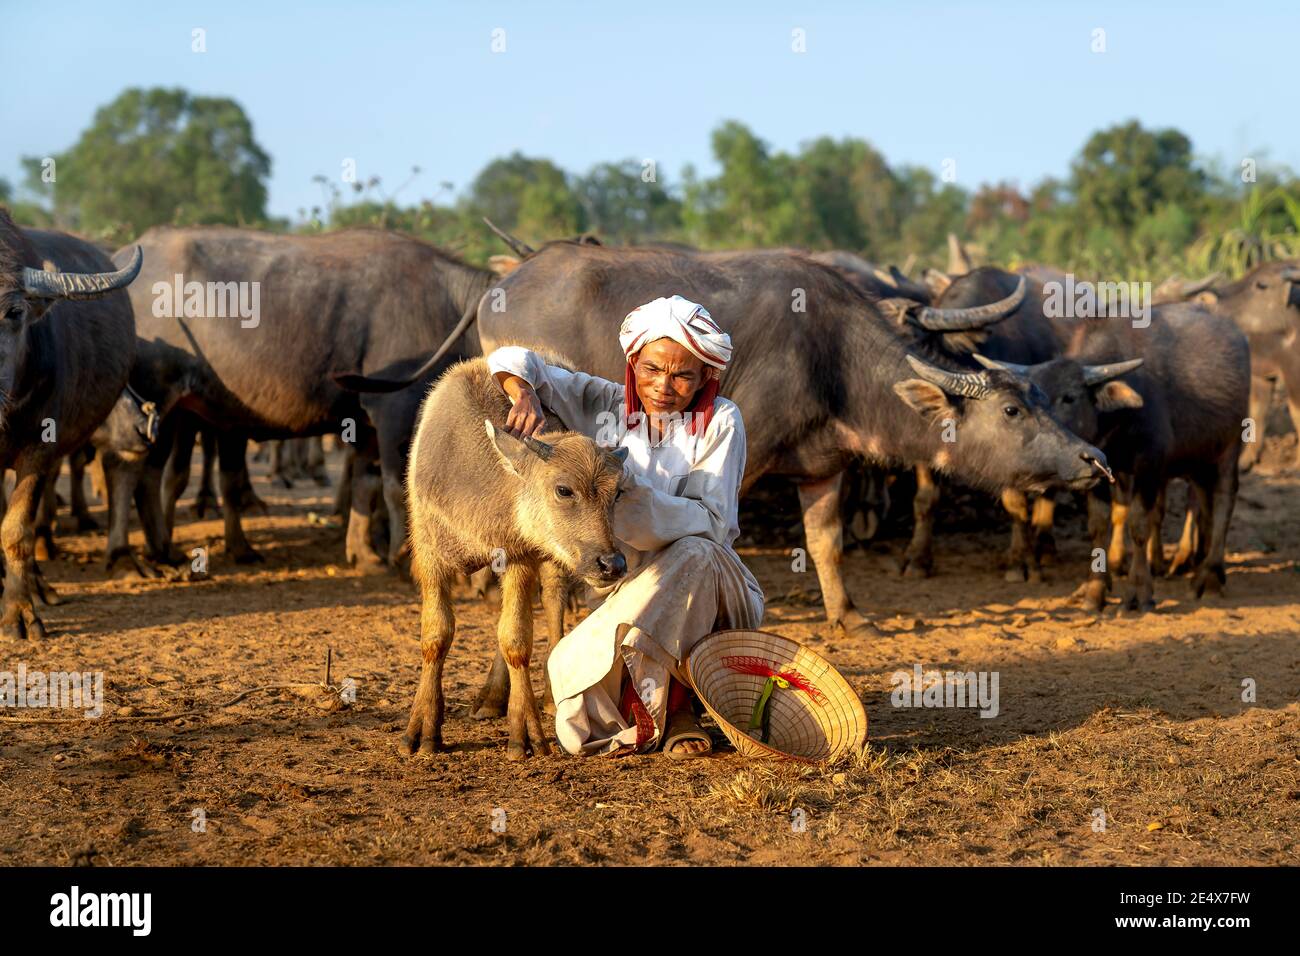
584, 403
648, 519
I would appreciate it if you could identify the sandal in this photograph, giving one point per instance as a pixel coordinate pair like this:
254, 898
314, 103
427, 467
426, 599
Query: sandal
682, 726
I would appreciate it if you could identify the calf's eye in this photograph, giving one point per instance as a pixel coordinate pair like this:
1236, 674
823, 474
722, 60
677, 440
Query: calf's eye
15, 313
564, 491
1011, 411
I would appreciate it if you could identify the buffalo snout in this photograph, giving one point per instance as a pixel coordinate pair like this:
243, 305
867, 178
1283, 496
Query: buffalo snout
612, 566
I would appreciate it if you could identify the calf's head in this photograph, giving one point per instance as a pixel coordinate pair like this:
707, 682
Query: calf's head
996, 430
565, 489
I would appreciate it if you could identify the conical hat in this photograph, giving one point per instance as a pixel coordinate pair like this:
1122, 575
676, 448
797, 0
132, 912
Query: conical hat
815, 719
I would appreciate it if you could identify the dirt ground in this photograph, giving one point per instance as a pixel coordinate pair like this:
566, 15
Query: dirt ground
1137, 723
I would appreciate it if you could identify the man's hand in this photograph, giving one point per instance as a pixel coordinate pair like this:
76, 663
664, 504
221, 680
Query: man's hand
526, 416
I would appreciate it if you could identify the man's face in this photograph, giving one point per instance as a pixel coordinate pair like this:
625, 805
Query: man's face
667, 377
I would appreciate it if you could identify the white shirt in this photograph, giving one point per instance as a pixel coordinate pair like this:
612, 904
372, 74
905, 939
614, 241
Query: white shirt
683, 484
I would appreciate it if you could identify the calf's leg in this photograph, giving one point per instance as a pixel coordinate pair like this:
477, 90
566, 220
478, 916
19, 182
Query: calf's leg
515, 636
437, 629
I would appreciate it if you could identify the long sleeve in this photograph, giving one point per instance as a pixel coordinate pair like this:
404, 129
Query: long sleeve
585, 403
648, 519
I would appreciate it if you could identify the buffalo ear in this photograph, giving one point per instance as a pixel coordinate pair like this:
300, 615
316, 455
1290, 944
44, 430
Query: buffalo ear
1115, 395
928, 400
510, 450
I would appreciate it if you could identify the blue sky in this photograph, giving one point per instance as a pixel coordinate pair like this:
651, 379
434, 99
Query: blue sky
1009, 90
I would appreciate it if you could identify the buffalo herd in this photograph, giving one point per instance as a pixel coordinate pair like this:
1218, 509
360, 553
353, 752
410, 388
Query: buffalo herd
235, 335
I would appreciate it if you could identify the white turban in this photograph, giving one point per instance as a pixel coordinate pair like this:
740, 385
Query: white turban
681, 320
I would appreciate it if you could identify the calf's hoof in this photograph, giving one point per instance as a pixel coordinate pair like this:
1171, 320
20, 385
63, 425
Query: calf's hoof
1015, 574
20, 623
488, 709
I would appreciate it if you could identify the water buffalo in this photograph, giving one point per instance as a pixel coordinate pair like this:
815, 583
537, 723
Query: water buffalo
1023, 334
820, 375
120, 445
66, 345
479, 495
1265, 305
1163, 401
242, 329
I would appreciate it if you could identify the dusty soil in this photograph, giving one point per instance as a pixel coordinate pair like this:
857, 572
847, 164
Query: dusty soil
1141, 721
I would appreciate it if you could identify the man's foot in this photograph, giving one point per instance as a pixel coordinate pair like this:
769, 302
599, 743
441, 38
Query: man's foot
684, 738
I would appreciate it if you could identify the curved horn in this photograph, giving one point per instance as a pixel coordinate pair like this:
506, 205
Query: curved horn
976, 317
969, 384
80, 285
539, 448
1011, 367
518, 247
1096, 374
1189, 289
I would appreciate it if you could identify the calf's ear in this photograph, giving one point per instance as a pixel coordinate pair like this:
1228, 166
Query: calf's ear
1115, 395
927, 399
510, 450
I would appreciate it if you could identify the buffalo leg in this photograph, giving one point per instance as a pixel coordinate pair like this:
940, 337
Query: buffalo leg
1261, 397
1138, 589
824, 530
206, 498
555, 595
1117, 547
176, 477
1155, 544
77, 462
918, 559
232, 450
1041, 528
494, 695
515, 637
1016, 504
1211, 575
365, 493
437, 629
19, 619
47, 515
1099, 531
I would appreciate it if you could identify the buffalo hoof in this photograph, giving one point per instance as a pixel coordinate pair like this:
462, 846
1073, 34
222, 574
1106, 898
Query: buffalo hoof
1133, 607
123, 566
204, 502
854, 624
1035, 575
369, 563
1015, 574
248, 555
20, 623
423, 747
1208, 581
44, 591
86, 523
45, 549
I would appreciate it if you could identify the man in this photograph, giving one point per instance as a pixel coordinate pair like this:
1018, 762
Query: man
618, 678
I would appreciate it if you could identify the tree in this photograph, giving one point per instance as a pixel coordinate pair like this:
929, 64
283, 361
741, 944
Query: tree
532, 196
1124, 173
623, 205
158, 156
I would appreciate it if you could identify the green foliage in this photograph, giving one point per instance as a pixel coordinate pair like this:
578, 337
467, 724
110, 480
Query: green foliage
157, 156
1135, 204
